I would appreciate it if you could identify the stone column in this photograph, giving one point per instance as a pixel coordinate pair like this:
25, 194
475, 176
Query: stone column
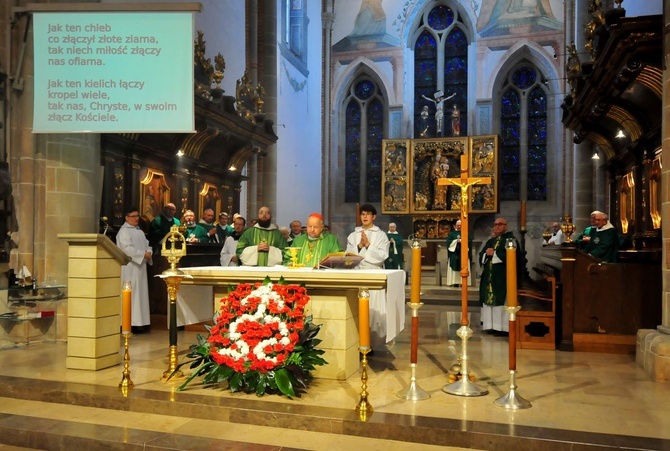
653, 346
268, 75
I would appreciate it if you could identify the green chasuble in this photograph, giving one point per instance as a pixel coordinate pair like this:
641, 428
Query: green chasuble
256, 235
454, 257
604, 244
394, 260
589, 231
493, 284
312, 251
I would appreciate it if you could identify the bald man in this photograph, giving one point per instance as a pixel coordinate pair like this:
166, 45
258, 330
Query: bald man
313, 245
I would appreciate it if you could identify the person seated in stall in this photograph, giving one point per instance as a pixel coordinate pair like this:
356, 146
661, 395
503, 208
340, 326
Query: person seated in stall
604, 242
557, 236
314, 245
584, 237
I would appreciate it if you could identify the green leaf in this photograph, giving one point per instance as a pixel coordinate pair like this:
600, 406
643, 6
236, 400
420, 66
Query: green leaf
267, 280
284, 382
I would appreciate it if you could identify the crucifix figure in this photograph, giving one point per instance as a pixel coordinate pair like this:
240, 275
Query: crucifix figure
464, 387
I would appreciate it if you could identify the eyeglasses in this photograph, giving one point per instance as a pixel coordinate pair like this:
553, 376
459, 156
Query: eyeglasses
499, 223
133, 216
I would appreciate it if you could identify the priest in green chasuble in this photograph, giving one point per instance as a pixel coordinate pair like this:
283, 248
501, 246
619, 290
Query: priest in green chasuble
394, 260
263, 244
493, 284
313, 245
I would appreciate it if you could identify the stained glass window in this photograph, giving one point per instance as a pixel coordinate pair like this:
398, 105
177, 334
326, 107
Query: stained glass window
441, 48
523, 127
364, 131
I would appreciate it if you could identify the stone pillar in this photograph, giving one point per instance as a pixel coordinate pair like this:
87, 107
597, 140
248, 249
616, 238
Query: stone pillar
268, 74
653, 346
56, 186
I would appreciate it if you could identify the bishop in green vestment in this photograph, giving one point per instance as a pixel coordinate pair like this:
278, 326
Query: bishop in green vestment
263, 244
314, 245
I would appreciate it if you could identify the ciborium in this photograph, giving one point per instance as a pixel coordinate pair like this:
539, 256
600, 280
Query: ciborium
546, 235
568, 228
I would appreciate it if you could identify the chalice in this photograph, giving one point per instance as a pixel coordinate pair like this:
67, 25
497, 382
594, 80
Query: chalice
294, 257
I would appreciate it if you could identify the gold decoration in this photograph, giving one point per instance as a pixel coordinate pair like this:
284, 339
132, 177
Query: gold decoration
568, 228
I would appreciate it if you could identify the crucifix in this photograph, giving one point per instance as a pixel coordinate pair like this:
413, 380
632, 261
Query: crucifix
464, 387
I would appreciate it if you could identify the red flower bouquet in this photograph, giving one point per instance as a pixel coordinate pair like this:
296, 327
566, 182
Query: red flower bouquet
261, 341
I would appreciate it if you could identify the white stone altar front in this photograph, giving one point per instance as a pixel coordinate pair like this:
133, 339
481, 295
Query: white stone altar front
333, 304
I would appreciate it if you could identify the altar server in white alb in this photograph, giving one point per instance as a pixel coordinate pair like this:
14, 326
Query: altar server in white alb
370, 242
132, 241
228, 256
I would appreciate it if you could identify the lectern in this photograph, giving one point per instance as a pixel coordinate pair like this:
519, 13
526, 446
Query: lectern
94, 307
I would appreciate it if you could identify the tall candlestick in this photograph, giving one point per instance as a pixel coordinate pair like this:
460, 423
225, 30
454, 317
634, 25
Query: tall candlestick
523, 215
126, 308
510, 252
415, 293
364, 318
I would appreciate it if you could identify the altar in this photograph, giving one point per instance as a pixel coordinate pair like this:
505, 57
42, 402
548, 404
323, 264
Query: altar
333, 304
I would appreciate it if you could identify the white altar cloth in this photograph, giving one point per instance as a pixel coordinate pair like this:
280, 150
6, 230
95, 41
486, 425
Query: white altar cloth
196, 303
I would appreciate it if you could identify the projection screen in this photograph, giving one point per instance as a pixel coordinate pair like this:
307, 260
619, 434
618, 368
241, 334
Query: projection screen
113, 72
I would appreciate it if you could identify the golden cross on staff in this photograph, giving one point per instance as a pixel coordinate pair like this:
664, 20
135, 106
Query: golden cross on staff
464, 387
464, 182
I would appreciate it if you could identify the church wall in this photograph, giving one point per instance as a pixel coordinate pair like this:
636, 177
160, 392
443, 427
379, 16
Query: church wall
299, 115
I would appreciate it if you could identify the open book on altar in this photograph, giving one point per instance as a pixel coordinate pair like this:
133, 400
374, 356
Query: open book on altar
340, 260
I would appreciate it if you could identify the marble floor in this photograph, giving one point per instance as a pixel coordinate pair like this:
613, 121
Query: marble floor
580, 401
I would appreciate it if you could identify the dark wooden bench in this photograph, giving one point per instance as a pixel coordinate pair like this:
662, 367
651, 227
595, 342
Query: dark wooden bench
536, 321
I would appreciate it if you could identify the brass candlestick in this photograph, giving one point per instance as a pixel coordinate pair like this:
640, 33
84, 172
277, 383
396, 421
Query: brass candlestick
512, 400
126, 383
364, 407
174, 248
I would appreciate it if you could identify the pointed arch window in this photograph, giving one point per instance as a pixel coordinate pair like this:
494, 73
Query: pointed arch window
440, 65
523, 131
293, 38
364, 110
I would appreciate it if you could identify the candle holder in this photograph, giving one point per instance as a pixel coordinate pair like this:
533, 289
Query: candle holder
364, 407
512, 400
126, 383
174, 248
414, 392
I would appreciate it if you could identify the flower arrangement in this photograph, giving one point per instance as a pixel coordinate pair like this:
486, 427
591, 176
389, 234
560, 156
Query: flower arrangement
260, 342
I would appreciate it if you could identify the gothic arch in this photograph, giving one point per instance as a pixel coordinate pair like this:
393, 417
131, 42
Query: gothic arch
524, 50
356, 68
410, 33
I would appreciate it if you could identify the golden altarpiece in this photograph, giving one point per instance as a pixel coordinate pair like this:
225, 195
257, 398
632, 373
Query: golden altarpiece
411, 169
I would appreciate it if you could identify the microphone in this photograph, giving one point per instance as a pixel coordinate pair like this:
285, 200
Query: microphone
104, 220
